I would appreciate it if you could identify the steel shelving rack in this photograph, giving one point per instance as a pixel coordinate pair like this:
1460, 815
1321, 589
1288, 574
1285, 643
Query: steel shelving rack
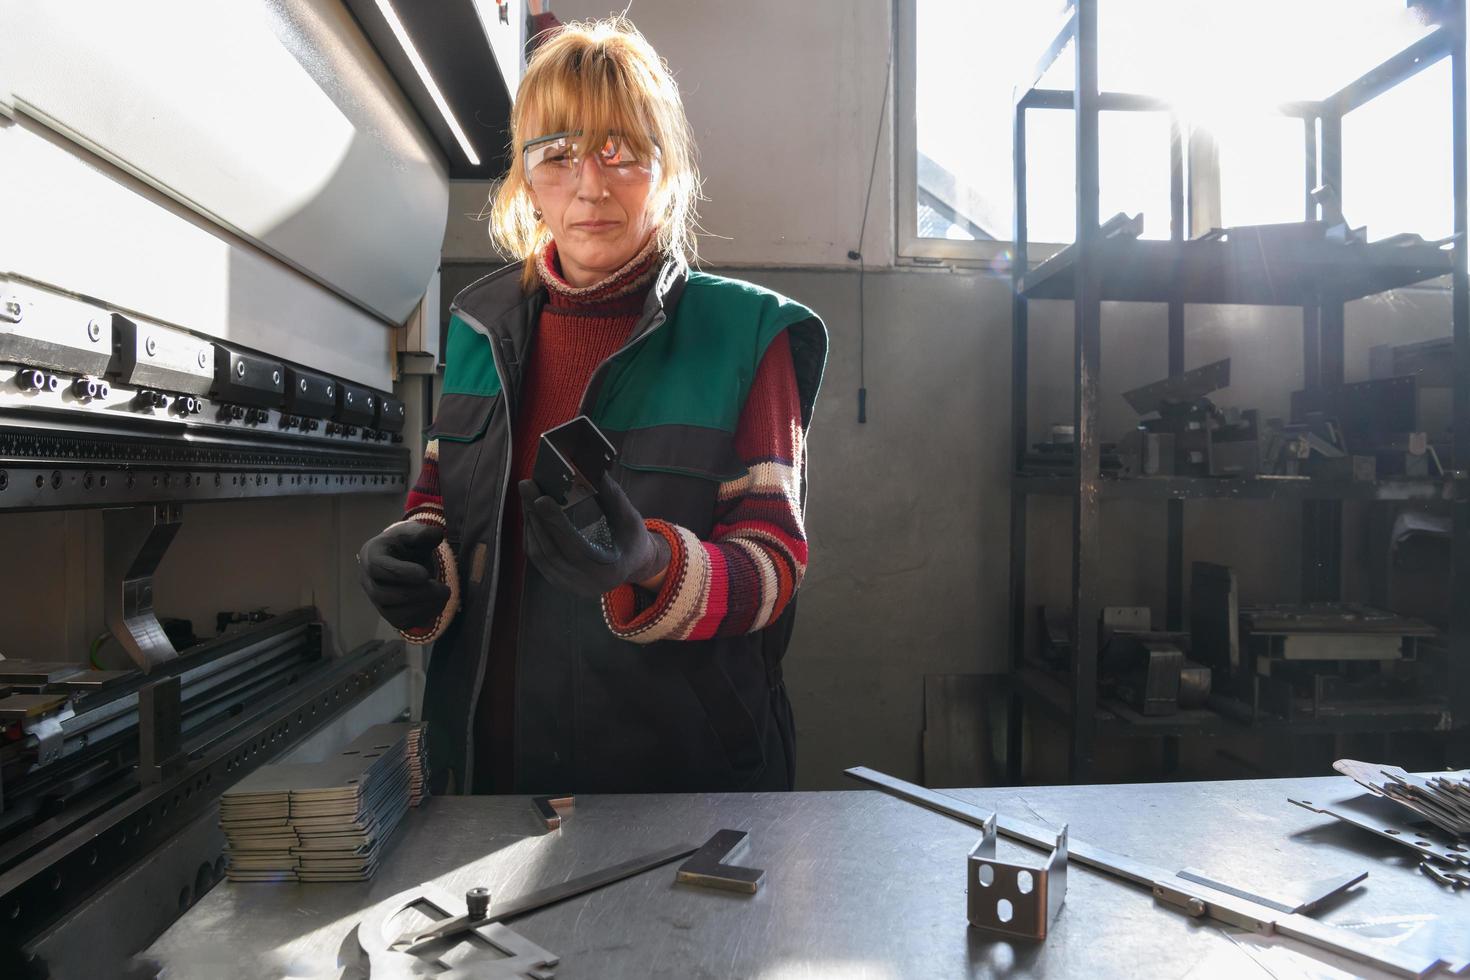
1319, 277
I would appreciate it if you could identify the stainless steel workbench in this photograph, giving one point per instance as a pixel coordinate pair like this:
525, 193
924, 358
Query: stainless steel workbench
858, 884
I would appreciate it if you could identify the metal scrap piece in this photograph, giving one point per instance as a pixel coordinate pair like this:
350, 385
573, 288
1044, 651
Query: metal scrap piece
1015, 899
708, 867
548, 809
520, 958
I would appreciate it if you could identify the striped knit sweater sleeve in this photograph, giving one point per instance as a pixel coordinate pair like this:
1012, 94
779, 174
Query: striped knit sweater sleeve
742, 579
425, 505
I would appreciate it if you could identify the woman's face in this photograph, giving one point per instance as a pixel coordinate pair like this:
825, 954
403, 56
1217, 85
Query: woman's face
599, 218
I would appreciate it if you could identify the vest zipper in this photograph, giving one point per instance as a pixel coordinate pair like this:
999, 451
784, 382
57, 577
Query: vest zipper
658, 320
484, 651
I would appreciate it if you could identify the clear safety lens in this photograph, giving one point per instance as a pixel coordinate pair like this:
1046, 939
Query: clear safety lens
557, 161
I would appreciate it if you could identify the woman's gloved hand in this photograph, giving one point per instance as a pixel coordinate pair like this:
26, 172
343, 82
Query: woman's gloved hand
399, 573
572, 562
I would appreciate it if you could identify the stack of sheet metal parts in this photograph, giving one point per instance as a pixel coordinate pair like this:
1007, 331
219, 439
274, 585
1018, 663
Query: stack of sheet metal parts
1439, 831
324, 821
1442, 800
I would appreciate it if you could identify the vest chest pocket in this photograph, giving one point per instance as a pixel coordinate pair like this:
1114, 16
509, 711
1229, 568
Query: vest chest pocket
465, 456
674, 472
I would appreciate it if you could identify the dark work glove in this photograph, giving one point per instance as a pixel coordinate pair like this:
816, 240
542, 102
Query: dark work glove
399, 573
628, 552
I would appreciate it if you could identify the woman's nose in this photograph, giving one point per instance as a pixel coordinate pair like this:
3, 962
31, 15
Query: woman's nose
590, 183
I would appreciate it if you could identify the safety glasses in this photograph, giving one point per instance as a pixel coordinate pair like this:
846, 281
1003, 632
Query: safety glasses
555, 161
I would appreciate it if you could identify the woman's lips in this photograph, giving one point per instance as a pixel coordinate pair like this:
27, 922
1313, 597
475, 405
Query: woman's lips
594, 225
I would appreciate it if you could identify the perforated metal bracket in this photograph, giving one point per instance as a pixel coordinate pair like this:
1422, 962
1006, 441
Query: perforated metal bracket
707, 866
1016, 900
513, 956
548, 809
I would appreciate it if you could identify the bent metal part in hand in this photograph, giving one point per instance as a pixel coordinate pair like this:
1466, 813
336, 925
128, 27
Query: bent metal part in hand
514, 957
1196, 899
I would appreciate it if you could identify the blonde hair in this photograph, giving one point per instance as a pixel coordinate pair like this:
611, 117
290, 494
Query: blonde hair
599, 77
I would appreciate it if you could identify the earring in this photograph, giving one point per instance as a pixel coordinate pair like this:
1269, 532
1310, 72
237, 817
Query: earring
536, 215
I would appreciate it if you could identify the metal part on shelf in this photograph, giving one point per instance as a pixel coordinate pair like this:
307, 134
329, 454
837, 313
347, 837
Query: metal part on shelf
1195, 899
1011, 898
513, 956
548, 809
550, 895
1187, 387
1315, 660
1123, 226
135, 542
708, 865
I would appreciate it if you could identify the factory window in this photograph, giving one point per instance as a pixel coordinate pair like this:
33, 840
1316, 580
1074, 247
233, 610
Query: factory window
1224, 67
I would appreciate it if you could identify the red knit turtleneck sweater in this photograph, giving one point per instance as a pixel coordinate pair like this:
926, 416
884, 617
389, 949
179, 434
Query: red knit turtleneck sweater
579, 328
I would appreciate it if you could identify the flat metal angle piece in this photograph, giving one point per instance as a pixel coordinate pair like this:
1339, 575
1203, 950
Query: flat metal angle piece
1297, 898
1015, 899
707, 866
548, 809
1197, 900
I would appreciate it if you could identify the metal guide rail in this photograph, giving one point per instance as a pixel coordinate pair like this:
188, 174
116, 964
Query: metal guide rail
140, 758
102, 409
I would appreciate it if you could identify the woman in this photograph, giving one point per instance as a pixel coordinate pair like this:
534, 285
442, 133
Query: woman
646, 658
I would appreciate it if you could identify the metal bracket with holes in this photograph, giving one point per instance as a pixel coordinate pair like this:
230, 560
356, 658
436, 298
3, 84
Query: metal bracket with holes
548, 809
1018, 900
708, 867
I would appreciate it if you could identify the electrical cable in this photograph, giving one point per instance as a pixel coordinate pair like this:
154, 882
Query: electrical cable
857, 252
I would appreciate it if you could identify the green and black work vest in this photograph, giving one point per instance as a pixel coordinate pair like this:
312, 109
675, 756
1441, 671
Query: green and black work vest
595, 713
